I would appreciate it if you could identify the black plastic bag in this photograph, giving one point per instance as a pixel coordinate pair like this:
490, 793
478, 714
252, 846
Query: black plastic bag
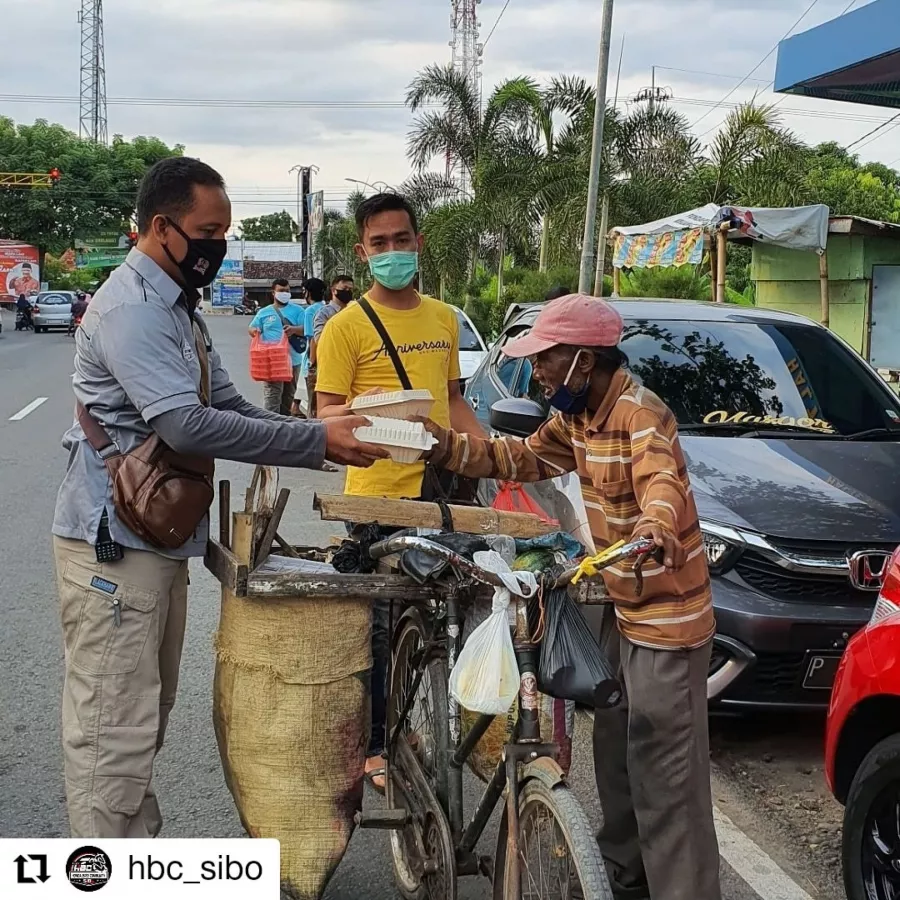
572, 666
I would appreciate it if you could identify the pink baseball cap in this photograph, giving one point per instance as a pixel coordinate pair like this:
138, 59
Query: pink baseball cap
576, 319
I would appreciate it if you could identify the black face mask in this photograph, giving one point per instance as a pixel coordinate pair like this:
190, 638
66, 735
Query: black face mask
344, 296
202, 261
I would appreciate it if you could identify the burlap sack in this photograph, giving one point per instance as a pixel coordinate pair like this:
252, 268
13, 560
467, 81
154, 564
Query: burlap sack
291, 713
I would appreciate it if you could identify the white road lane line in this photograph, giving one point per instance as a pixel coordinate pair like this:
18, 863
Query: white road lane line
753, 864
27, 410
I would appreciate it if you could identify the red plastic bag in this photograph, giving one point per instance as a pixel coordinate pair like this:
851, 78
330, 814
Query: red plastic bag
511, 498
270, 361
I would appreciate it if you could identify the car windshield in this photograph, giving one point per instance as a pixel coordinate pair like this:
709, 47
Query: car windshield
468, 339
53, 300
772, 377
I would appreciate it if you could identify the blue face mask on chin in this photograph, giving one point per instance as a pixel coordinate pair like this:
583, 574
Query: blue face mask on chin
394, 269
567, 401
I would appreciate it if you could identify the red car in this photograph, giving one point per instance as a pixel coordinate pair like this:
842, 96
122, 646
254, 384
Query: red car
862, 747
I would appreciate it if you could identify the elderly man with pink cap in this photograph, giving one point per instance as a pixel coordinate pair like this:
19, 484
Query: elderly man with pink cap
651, 754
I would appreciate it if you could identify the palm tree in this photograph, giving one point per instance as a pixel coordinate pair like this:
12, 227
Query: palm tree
537, 107
753, 160
336, 242
494, 148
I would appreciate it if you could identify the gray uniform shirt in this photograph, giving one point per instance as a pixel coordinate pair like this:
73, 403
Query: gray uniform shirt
135, 362
323, 315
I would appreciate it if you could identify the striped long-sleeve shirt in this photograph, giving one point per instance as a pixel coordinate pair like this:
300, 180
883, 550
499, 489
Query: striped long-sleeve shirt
632, 472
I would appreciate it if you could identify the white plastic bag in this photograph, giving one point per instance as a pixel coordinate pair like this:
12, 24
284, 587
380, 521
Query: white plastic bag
485, 678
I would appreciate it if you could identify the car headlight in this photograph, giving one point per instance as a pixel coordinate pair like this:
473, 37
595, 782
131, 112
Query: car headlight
722, 546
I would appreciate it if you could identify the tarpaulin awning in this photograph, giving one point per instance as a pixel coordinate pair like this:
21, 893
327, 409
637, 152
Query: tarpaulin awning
854, 58
678, 240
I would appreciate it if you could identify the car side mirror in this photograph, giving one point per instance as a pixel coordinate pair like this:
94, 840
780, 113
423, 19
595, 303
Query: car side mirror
517, 416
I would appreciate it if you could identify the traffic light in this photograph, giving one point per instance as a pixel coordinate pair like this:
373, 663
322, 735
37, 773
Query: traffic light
55, 175
131, 239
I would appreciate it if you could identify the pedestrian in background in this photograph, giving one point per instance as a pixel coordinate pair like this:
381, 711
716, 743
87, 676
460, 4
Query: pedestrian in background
271, 323
146, 371
315, 298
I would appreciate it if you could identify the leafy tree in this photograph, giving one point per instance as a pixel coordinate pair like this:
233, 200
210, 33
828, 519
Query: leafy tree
272, 227
61, 275
679, 282
96, 191
336, 243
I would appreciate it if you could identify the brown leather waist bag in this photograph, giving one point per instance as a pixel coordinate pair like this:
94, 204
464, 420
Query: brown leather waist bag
161, 495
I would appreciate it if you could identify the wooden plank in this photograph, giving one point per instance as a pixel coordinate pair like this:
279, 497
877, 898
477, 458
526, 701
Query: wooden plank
286, 548
413, 514
225, 513
230, 573
296, 585
264, 548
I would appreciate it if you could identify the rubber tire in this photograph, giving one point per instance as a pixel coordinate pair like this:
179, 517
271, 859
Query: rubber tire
438, 680
580, 838
880, 767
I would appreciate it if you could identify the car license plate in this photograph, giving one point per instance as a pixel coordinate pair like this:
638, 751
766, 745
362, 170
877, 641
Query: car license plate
820, 671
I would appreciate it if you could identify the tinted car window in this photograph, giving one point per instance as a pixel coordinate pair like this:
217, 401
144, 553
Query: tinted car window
774, 375
54, 299
468, 340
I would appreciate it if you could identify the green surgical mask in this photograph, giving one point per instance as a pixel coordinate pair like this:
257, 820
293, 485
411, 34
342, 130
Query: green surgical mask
394, 269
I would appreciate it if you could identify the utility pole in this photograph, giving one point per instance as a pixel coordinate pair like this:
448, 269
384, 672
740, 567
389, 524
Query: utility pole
304, 188
604, 209
590, 219
652, 89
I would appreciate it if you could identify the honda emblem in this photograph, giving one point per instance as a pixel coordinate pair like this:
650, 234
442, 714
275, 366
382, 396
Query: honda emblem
867, 569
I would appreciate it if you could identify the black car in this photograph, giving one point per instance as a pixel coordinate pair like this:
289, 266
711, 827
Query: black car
793, 446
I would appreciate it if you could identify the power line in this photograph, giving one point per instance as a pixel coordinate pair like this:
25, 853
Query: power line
217, 103
757, 66
874, 131
491, 32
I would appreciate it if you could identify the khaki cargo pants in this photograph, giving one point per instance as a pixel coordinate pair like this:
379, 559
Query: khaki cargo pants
123, 626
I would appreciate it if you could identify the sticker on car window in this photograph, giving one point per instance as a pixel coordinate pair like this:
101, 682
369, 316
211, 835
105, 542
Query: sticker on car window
723, 417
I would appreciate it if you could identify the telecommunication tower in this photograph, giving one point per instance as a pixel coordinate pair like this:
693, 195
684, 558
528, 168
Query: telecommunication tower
466, 57
92, 112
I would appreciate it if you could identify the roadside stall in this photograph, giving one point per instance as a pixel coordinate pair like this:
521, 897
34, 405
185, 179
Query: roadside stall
684, 239
291, 695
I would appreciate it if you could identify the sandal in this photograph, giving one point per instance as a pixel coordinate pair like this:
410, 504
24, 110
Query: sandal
375, 775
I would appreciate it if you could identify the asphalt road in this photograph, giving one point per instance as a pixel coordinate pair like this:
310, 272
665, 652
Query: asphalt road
194, 798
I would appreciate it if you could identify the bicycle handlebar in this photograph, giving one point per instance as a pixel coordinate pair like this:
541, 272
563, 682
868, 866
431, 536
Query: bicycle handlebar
632, 550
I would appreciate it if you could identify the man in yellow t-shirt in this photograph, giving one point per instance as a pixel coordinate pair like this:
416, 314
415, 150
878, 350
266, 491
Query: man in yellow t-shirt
352, 357
353, 360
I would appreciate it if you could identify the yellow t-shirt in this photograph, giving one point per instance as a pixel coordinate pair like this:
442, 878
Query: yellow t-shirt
352, 360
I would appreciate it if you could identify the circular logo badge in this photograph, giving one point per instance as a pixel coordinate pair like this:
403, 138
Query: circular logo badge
88, 869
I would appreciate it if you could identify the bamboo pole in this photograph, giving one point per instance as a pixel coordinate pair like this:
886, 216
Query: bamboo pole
721, 261
712, 268
617, 275
823, 288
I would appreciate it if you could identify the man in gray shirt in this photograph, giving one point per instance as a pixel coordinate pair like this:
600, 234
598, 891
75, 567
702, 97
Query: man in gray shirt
138, 359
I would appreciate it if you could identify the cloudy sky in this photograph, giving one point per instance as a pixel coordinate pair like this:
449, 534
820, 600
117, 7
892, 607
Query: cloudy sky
332, 52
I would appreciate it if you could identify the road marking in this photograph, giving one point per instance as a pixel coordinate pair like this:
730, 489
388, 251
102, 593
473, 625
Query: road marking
27, 410
753, 864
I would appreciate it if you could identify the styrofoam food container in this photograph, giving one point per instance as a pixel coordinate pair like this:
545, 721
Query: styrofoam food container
405, 441
394, 404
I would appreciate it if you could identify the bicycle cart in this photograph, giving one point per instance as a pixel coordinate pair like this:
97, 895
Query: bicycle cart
291, 702
545, 847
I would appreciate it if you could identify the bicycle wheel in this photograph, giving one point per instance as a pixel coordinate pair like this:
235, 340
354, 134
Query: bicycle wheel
422, 746
558, 854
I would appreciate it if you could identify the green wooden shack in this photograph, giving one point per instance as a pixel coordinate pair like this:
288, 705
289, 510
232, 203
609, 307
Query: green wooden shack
863, 269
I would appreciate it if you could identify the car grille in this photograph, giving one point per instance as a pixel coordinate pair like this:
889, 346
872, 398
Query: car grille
773, 678
768, 577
